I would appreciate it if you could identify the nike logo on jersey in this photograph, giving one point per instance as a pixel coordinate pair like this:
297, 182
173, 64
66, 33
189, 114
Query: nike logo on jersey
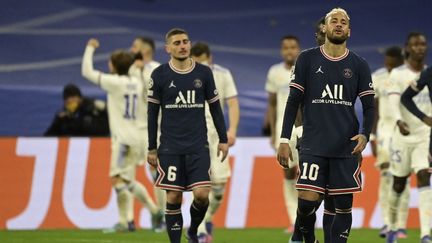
319, 70
172, 85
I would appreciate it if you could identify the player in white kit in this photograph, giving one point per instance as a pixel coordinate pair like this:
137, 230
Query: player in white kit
410, 143
127, 119
381, 138
277, 85
143, 49
220, 172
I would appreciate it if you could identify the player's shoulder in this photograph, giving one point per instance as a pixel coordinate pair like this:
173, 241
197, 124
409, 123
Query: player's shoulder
220, 69
354, 56
152, 65
277, 67
311, 52
201, 68
380, 72
401, 69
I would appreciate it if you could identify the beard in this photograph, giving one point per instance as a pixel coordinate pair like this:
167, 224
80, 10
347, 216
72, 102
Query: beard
336, 39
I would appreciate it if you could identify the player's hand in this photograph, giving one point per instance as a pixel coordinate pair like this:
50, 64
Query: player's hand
93, 43
428, 120
284, 155
231, 137
374, 148
152, 157
403, 127
139, 63
223, 148
361, 143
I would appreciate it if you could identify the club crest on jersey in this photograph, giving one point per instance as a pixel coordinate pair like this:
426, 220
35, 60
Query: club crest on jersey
347, 73
197, 83
150, 83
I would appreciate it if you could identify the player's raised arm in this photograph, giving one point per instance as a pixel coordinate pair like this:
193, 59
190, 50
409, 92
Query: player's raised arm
212, 98
152, 118
367, 97
297, 89
413, 90
87, 69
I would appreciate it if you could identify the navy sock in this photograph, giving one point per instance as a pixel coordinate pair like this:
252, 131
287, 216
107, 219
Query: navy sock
174, 222
329, 214
297, 234
343, 218
197, 211
306, 219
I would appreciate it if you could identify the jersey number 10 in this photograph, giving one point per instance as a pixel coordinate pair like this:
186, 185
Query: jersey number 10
130, 108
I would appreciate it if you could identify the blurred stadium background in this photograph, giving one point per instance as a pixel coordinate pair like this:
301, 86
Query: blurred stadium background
41, 47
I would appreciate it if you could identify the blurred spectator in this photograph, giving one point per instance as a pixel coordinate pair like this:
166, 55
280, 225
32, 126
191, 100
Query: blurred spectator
80, 116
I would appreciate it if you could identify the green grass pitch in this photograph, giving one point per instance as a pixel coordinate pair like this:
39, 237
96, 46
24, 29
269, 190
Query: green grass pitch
145, 236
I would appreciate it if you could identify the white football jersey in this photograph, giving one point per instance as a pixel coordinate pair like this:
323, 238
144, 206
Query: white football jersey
278, 80
127, 106
400, 78
226, 88
381, 86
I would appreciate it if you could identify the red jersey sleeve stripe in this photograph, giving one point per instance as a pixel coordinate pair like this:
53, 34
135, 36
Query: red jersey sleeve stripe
394, 93
155, 101
297, 86
367, 92
214, 99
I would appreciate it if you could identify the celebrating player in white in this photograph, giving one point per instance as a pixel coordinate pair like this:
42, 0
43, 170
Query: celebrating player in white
277, 85
381, 138
410, 145
220, 172
127, 119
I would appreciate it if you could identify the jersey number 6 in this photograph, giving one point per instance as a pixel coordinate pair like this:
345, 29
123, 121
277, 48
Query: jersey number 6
172, 173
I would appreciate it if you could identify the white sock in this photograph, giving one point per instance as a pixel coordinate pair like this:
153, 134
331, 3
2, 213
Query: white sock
404, 207
394, 200
160, 198
385, 186
123, 196
290, 195
130, 207
140, 192
425, 210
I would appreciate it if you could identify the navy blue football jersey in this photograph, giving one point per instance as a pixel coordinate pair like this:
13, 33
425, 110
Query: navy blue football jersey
331, 87
182, 96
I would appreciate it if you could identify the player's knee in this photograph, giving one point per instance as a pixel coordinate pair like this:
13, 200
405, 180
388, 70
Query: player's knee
218, 191
174, 197
329, 204
399, 184
308, 195
343, 203
201, 195
117, 180
291, 173
423, 178
306, 207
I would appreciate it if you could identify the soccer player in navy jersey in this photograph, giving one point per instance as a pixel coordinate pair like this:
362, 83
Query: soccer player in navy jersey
180, 89
327, 81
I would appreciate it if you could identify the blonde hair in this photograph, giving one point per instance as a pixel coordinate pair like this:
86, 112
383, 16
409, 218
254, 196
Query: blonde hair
337, 10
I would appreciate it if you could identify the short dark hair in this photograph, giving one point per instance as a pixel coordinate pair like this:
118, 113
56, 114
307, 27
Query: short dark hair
122, 61
147, 40
175, 31
394, 51
71, 90
318, 24
413, 34
291, 37
200, 48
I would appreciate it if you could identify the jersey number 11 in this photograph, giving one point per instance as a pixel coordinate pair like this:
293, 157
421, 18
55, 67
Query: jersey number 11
130, 108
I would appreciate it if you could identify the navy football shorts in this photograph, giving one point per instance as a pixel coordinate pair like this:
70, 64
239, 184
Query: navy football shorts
330, 175
184, 172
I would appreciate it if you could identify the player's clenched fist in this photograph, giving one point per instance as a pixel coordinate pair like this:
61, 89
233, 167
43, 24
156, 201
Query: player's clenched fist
361, 143
152, 157
223, 149
93, 43
284, 154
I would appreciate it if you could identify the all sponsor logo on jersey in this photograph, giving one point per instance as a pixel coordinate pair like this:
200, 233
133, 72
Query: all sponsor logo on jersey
332, 95
185, 100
